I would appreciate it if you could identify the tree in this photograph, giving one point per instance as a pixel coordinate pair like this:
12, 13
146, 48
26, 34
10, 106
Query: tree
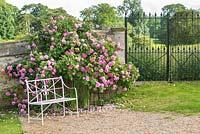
7, 20
172, 9
135, 15
36, 15
102, 14
168, 11
184, 27
133, 10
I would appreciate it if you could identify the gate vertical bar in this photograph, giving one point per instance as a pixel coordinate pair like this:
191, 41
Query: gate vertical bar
168, 50
126, 40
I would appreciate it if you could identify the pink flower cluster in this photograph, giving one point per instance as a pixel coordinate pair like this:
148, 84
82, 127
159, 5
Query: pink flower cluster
50, 67
20, 103
73, 51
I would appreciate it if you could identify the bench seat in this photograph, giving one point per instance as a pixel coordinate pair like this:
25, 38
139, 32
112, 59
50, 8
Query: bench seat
52, 101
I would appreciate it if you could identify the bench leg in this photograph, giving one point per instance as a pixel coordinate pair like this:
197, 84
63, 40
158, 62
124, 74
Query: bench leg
63, 108
28, 113
77, 107
42, 114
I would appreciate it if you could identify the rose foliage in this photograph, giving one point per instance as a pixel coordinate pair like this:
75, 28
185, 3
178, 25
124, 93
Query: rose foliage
69, 48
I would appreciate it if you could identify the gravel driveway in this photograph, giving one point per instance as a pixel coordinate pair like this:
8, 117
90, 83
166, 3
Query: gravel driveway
116, 122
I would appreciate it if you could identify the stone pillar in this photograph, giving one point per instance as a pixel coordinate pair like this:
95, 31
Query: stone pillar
119, 36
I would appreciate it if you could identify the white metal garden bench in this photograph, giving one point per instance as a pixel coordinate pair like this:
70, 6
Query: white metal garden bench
47, 92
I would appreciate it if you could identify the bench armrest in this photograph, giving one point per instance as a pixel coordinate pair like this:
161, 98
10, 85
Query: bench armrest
71, 88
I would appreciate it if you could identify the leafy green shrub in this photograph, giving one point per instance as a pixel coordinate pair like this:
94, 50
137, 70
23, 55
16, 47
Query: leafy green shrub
68, 48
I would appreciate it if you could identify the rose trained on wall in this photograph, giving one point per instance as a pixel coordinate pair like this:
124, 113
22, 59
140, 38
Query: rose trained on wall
67, 47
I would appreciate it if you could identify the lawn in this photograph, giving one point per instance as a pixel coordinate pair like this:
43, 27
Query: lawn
9, 123
179, 97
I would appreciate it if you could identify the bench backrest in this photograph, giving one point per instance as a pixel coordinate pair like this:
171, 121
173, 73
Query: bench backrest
45, 89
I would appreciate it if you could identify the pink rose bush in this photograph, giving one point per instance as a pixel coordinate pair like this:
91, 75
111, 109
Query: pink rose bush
69, 48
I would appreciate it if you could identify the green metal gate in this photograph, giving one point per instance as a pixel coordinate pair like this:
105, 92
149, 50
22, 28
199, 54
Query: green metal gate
164, 47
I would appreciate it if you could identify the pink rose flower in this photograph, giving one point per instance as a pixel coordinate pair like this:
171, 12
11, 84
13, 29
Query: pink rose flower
24, 101
23, 106
116, 78
19, 105
41, 57
42, 75
22, 111
30, 70
76, 66
113, 57
18, 66
33, 44
70, 67
87, 78
28, 47
44, 29
129, 66
15, 99
84, 55
2, 71
78, 25
114, 87
32, 59
101, 70
88, 34
97, 46
13, 103
63, 40
112, 63
110, 75
51, 47
14, 94
52, 38
66, 33
10, 75
96, 73
31, 55
61, 17
109, 39
97, 26
91, 51
125, 89
9, 68
8, 93
46, 57
98, 84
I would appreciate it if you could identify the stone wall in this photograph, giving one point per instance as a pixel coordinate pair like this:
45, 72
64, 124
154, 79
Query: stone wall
9, 53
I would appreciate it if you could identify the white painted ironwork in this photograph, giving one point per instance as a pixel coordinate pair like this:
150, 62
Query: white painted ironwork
47, 92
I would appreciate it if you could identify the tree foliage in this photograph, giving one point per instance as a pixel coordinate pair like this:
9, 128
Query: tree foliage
7, 20
134, 13
133, 10
172, 9
183, 25
102, 14
37, 15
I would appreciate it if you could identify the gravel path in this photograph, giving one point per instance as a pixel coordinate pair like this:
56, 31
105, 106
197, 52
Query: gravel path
116, 122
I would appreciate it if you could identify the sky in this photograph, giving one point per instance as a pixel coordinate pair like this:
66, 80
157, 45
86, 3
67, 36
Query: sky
73, 7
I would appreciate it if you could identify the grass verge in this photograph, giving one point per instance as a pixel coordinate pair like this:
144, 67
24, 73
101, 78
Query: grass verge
9, 123
179, 97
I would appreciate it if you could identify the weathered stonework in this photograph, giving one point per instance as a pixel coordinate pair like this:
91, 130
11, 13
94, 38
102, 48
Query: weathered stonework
10, 53
119, 36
